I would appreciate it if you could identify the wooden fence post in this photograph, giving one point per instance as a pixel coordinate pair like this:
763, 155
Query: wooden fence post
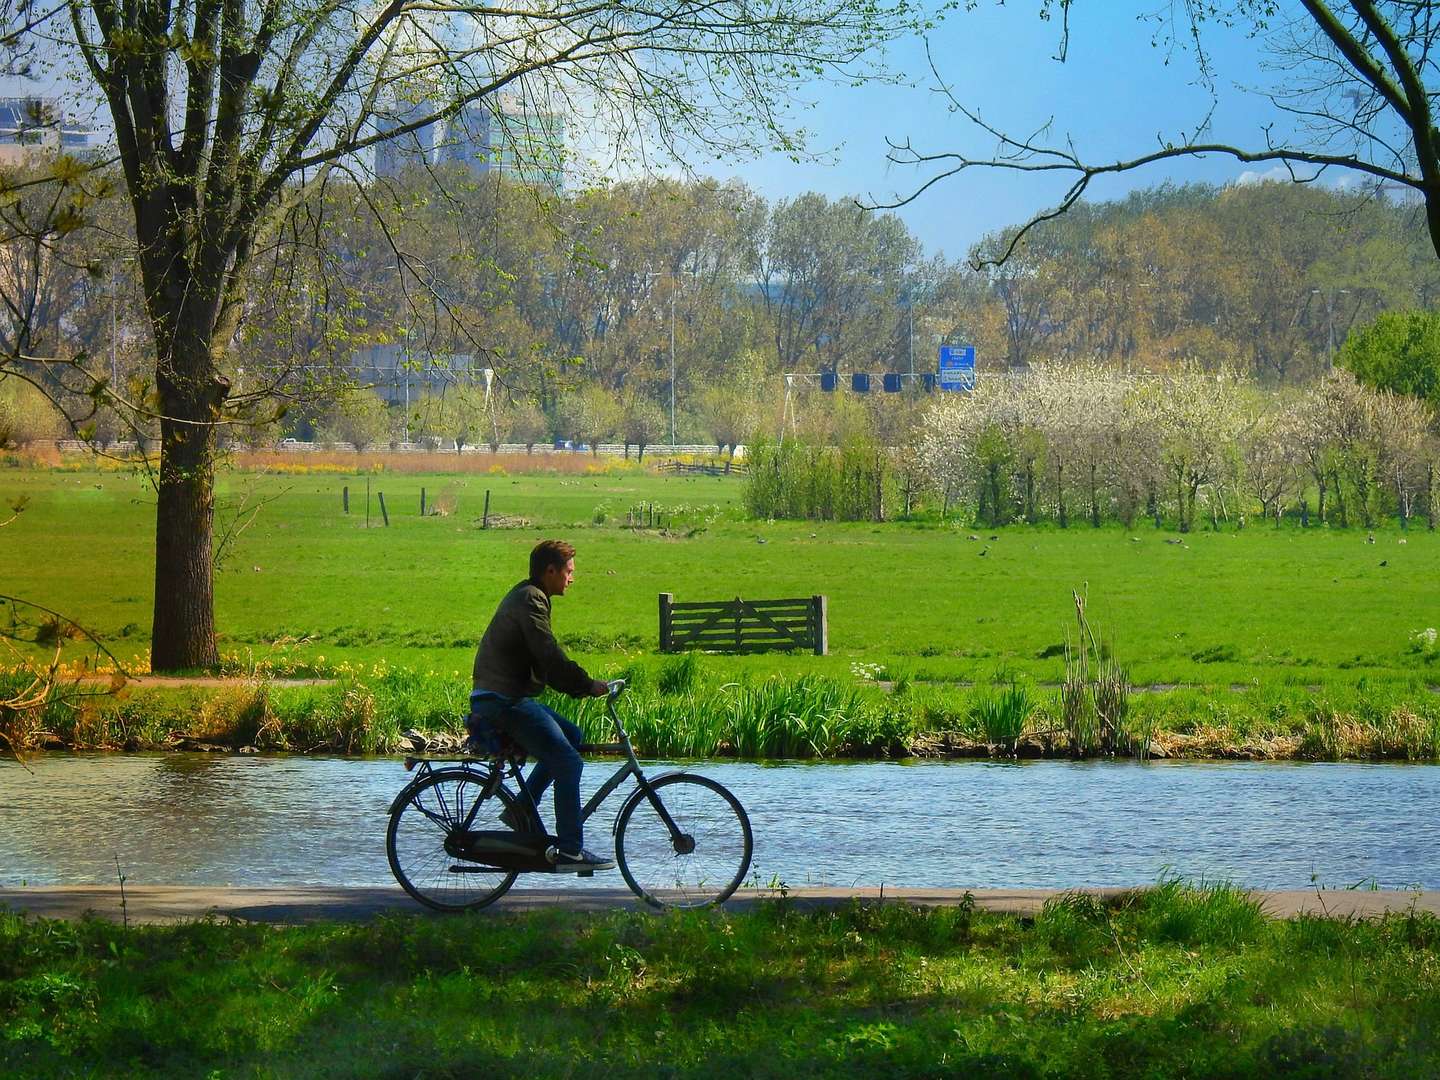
383, 512
819, 629
345, 497
367, 502
667, 601
739, 608
485, 517
422, 502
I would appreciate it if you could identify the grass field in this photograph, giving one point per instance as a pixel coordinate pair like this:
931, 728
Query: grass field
1178, 982
916, 601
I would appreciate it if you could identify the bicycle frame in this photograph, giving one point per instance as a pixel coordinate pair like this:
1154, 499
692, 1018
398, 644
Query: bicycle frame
496, 770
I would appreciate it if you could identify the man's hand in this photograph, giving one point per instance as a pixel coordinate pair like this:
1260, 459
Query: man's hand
599, 688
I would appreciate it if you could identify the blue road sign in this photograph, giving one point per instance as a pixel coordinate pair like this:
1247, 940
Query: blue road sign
957, 367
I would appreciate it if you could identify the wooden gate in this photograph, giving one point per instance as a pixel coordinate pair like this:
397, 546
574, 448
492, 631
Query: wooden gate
744, 626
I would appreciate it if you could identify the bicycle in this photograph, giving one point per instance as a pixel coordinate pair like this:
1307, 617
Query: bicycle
681, 840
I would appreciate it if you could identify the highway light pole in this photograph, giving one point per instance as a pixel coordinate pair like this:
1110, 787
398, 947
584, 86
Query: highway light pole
672, 369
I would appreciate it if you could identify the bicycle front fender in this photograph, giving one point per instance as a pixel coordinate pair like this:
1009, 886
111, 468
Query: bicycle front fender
636, 796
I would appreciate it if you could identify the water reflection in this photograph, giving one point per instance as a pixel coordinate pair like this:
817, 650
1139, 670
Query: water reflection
221, 819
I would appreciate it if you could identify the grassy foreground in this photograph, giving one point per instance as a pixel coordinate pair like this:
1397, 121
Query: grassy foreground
1174, 982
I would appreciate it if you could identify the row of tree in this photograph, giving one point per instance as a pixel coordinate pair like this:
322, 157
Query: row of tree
1090, 443
1069, 442
621, 286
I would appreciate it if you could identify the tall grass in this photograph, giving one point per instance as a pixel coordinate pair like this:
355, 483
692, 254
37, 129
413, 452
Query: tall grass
683, 707
1002, 715
1095, 696
803, 717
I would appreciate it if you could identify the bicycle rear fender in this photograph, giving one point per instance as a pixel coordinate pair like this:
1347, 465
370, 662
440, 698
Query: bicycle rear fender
479, 775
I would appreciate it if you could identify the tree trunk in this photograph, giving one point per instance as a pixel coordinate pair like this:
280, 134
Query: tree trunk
1095, 501
191, 395
1430, 496
1060, 494
994, 494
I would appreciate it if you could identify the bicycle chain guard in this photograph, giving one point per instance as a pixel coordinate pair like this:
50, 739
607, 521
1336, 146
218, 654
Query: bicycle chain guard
502, 848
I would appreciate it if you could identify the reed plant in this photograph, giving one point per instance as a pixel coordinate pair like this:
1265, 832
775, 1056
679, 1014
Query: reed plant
1003, 715
778, 717
681, 707
680, 675
1095, 696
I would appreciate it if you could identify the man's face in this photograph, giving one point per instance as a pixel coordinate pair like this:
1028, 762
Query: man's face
557, 578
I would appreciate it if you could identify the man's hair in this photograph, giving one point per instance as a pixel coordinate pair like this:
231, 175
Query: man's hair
549, 553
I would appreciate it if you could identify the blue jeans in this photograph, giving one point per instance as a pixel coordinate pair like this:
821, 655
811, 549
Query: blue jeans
553, 741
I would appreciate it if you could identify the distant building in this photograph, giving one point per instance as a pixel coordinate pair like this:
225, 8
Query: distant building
400, 152
507, 135
32, 127
401, 377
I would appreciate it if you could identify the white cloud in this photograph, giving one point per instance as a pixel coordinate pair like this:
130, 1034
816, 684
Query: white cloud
1276, 174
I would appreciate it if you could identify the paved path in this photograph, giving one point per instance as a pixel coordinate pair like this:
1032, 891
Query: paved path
171, 903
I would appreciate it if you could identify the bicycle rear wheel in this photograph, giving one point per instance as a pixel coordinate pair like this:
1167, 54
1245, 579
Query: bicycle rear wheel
431, 811
700, 867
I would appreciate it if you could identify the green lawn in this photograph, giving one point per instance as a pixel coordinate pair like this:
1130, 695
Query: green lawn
1181, 982
919, 599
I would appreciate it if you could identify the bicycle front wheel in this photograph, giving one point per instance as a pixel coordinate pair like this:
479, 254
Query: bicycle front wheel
432, 811
699, 865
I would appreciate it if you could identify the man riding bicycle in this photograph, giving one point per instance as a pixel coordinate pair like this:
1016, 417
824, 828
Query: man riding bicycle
517, 658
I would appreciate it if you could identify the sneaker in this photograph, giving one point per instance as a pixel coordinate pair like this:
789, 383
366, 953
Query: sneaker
584, 862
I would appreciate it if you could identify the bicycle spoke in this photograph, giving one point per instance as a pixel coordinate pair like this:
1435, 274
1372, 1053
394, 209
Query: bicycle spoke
665, 869
419, 828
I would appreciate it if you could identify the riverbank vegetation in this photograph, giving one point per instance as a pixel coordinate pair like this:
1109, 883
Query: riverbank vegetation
688, 708
1167, 982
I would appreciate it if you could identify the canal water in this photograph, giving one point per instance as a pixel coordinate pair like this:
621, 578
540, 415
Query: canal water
287, 820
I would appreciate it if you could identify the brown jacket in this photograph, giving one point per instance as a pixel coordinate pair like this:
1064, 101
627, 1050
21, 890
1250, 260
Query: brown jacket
519, 656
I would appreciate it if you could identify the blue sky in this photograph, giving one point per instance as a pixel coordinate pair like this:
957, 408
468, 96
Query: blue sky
1114, 96
1117, 93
